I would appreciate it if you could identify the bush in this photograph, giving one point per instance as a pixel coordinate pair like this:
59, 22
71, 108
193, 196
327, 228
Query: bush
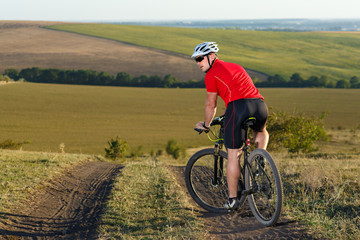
295, 132
136, 152
116, 149
174, 149
10, 144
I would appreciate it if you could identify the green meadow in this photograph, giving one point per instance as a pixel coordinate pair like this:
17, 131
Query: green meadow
335, 55
84, 118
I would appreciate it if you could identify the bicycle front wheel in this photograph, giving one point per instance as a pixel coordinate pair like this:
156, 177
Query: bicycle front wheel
263, 177
205, 177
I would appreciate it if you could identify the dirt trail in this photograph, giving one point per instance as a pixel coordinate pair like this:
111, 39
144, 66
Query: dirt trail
242, 224
69, 207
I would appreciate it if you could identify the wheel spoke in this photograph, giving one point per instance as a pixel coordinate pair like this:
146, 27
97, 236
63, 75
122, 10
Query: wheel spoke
266, 202
209, 181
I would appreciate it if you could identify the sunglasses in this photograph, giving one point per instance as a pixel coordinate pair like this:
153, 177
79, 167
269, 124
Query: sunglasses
199, 59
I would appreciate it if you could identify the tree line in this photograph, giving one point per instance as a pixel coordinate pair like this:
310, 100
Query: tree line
296, 81
91, 77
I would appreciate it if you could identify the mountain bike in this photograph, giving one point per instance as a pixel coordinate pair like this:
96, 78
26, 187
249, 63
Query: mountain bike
260, 182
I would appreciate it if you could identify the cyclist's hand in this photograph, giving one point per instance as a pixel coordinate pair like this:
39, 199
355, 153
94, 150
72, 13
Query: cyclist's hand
199, 127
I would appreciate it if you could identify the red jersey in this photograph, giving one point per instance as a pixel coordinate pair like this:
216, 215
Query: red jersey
230, 81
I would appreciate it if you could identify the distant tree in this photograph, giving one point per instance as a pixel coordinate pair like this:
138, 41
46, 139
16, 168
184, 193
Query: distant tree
154, 81
140, 81
277, 79
343, 84
49, 76
296, 80
331, 84
313, 81
12, 73
354, 82
123, 79
169, 81
323, 81
30, 74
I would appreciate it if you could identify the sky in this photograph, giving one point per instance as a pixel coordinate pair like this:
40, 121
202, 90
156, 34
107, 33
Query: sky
164, 10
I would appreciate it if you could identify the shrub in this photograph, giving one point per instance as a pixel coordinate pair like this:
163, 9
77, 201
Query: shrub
136, 152
174, 149
117, 148
10, 144
295, 132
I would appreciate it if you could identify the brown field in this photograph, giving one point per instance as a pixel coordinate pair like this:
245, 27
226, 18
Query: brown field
26, 44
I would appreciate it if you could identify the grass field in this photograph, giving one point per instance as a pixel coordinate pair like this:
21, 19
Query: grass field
321, 190
335, 55
84, 118
150, 205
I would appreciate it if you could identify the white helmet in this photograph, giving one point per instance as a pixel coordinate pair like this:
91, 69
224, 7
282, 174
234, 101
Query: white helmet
205, 48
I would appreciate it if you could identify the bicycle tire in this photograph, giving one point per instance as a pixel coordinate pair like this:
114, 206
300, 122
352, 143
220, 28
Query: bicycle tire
199, 179
266, 202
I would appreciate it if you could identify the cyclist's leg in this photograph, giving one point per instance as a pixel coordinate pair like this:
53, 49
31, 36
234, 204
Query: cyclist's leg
233, 171
233, 141
260, 111
261, 139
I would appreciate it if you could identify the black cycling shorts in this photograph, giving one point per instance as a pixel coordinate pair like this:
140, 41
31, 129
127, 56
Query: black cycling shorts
238, 111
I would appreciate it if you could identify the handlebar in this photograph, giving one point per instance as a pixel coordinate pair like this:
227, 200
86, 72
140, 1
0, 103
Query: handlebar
216, 121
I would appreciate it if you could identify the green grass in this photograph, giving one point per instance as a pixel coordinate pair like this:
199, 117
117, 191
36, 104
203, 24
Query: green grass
22, 172
150, 205
335, 55
84, 118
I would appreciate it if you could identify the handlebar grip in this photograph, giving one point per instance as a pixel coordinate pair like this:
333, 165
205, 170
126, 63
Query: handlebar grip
200, 130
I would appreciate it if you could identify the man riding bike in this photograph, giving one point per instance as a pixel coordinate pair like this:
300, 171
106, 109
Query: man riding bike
242, 100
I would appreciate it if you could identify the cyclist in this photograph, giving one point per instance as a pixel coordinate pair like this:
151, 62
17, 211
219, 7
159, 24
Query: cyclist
242, 100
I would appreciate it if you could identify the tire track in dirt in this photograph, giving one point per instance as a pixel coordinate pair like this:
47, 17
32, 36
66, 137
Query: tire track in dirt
69, 206
242, 224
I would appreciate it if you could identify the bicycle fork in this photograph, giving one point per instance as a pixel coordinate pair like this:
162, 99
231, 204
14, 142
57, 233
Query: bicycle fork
218, 166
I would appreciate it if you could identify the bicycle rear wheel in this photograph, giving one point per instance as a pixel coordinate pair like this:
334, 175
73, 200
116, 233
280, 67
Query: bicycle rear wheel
266, 202
205, 177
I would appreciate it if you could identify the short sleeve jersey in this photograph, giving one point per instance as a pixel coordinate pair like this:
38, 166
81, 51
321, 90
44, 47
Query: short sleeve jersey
230, 81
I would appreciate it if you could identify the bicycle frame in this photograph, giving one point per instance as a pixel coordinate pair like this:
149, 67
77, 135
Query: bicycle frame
246, 164
219, 163
259, 183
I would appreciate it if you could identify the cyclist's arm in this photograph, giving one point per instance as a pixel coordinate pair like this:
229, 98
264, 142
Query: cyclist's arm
210, 107
210, 110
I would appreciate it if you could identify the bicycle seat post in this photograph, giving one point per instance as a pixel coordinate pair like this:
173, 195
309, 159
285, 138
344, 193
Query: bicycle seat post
246, 124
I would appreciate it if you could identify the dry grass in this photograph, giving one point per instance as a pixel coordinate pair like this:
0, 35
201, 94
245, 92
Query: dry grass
22, 172
150, 205
323, 190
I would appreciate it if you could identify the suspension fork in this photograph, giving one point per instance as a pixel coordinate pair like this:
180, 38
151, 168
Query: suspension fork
218, 165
